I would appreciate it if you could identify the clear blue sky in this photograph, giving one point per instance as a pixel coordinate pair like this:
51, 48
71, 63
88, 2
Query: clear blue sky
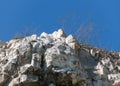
49, 15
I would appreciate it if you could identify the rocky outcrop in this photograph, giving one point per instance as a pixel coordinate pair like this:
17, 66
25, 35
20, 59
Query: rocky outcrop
56, 60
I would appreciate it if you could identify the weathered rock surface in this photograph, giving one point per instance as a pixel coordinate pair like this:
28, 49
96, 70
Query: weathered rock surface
56, 60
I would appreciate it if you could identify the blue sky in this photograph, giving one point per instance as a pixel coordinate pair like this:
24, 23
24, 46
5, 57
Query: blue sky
49, 15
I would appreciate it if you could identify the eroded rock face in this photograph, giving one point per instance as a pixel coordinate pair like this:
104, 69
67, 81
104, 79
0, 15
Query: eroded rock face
56, 60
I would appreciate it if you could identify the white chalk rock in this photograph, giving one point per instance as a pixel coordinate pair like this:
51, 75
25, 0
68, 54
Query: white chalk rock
57, 58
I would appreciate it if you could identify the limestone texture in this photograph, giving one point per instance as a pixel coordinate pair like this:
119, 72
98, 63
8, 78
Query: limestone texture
56, 60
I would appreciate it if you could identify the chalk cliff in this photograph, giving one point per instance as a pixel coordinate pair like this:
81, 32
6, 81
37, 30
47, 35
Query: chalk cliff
56, 60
